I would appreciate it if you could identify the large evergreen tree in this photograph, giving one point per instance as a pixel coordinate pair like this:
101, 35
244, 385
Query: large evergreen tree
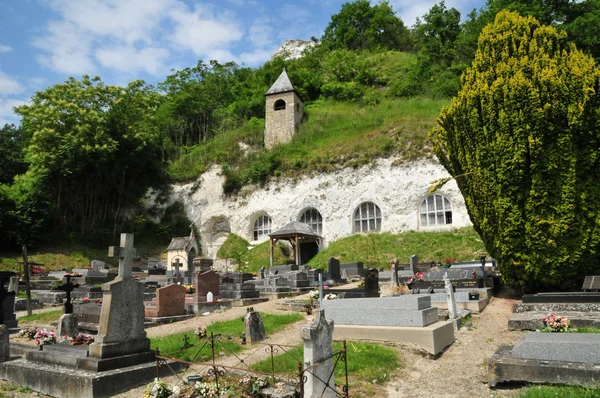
522, 141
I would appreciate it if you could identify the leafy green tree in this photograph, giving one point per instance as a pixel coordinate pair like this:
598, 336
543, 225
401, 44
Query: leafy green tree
435, 35
94, 152
359, 25
583, 26
522, 140
13, 141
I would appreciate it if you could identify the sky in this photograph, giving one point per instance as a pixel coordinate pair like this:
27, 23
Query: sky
43, 42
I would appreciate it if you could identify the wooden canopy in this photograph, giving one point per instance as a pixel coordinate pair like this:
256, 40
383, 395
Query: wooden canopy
296, 233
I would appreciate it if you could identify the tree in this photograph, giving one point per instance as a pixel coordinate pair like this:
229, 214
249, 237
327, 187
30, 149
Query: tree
94, 151
13, 141
522, 141
436, 34
361, 26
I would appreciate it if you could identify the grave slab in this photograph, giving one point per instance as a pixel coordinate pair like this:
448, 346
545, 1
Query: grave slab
532, 320
503, 367
433, 338
567, 347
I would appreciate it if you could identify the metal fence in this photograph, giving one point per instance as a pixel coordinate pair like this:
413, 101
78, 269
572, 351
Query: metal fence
223, 362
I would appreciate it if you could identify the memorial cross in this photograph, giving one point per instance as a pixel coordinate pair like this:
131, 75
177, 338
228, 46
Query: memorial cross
68, 288
125, 252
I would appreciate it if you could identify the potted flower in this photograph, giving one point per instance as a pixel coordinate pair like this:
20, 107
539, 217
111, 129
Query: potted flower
474, 295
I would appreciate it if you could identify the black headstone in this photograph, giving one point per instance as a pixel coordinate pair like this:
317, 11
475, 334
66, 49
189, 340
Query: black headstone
372, 281
333, 266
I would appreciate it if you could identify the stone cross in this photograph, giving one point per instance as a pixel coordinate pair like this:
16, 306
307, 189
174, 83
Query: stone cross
318, 357
125, 251
68, 288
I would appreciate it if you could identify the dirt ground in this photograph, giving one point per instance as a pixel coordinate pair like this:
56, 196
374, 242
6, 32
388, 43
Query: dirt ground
460, 371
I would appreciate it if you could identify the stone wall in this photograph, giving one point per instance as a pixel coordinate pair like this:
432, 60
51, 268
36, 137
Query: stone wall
397, 190
281, 125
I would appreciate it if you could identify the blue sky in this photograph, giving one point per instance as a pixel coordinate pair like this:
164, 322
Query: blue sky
43, 42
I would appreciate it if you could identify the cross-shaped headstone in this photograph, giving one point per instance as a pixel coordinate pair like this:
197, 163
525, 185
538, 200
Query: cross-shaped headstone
68, 288
176, 265
125, 251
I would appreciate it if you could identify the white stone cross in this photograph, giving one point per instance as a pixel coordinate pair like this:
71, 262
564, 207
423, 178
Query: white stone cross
125, 251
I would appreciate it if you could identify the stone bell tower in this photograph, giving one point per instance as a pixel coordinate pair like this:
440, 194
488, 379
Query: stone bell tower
283, 112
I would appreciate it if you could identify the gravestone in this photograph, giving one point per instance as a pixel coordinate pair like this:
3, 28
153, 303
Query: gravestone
68, 325
203, 264
170, 301
255, 329
414, 262
355, 269
68, 287
449, 289
177, 277
333, 267
4, 344
318, 361
122, 305
262, 272
13, 285
591, 284
98, 265
395, 281
372, 283
207, 282
298, 279
7, 301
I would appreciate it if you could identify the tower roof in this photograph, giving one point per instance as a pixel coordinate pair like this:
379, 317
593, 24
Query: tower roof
281, 85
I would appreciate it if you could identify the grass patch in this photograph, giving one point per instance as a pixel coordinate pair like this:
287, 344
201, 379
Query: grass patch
377, 250
560, 392
229, 343
366, 362
43, 318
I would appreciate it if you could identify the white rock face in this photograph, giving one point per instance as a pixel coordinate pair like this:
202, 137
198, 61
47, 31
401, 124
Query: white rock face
397, 190
293, 49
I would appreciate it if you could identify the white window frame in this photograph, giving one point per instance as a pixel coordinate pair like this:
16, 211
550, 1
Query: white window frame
313, 218
367, 217
262, 228
435, 210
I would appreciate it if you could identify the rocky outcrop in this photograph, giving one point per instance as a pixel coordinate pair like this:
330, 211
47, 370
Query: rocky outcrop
293, 49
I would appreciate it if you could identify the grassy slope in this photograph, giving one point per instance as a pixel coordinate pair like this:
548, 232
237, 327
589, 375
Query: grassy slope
377, 250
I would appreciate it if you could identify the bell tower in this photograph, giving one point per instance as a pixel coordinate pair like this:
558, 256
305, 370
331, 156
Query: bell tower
283, 112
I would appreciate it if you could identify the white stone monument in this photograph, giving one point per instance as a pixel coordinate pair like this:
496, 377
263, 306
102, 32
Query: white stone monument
318, 361
449, 289
121, 328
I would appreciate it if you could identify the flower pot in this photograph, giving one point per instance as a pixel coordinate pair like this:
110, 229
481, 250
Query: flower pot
473, 296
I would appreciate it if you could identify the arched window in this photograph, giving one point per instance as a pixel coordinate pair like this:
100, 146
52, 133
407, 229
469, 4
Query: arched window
435, 210
279, 105
313, 218
367, 217
262, 228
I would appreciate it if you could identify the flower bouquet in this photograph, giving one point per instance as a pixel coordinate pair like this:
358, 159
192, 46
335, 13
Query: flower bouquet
554, 323
81, 338
85, 300
418, 277
45, 337
190, 289
28, 333
200, 332
329, 296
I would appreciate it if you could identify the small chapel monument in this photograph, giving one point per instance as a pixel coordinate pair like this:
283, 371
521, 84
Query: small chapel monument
283, 112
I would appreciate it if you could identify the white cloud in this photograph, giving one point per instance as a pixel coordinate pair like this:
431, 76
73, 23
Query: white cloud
8, 85
129, 59
202, 32
36, 83
66, 48
410, 10
6, 111
257, 56
5, 49
260, 33
290, 12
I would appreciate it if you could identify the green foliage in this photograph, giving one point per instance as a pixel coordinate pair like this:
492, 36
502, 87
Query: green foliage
94, 151
234, 247
259, 256
43, 318
360, 25
13, 141
521, 140
171, 345
366, 362
378, 250
560, 392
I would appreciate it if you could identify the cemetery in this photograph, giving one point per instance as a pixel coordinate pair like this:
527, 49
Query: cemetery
417, 307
